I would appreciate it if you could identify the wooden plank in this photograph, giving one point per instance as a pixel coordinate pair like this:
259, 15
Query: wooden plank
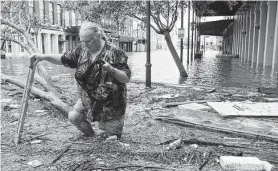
245, 109
218, 129
172, 104
25, 100
193, 106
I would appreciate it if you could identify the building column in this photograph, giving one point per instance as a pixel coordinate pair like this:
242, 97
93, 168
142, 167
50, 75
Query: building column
70, 42
251, 34
261, 45
243, 38
256, 33
275, 50
234, 37
47, 43
270, 29
238, 35
39, 42
247, 33
55, 44
64, 46
15, 49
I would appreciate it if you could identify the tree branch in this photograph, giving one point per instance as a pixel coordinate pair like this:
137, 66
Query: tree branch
168, 13
29, 26
164, 26
173, 24
174, 19
17, 42
14, 26
158, 12
156, 22
134, 16
174, 16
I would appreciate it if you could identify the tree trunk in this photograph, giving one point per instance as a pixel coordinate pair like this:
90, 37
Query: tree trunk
174, 54
3, 43
54, 100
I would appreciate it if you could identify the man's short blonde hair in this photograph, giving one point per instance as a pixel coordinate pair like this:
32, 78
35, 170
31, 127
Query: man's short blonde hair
94, 28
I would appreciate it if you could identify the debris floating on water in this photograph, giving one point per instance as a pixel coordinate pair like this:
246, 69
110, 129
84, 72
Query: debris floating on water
35, 163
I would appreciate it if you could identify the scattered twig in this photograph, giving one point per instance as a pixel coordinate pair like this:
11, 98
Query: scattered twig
8, 88
193, 154
81, 143
38, 136
62, 152
205, 162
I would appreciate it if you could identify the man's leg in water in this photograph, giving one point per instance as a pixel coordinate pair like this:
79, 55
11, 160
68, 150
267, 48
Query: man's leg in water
79, 119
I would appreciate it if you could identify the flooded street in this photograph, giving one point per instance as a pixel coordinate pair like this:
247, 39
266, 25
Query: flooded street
208, 70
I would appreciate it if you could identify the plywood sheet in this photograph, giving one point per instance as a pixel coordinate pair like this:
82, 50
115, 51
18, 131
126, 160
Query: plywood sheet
245, 108
193, 106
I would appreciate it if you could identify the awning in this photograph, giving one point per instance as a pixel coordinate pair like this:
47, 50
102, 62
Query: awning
221, 8
126, 39
214, 28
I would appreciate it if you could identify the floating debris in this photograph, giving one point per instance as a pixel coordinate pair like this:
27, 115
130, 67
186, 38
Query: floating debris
35, 163
36, 142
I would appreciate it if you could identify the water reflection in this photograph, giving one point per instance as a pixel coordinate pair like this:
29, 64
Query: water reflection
207, 70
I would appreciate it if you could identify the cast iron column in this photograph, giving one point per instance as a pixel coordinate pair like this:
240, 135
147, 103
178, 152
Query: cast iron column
182, 28
148, 64
188, 31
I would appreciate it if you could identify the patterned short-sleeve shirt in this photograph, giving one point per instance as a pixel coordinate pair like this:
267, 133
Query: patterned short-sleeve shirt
88, 75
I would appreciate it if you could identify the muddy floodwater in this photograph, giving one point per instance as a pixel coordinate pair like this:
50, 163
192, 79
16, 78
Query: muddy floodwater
227, 72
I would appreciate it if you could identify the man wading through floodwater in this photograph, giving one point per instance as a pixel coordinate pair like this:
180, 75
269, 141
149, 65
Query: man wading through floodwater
101, 73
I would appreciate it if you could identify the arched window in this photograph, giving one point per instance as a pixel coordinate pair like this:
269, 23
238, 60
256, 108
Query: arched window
51, 13
31, 7
41, 4
59, 15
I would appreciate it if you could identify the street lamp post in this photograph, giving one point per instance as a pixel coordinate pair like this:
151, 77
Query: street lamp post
148, 63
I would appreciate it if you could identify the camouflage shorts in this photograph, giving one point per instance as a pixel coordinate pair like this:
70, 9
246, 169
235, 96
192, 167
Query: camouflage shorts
111, 125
